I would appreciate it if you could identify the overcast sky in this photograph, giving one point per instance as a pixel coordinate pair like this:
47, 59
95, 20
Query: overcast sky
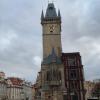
21, 35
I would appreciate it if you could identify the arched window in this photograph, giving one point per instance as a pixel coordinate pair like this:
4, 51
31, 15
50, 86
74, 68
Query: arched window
73, 74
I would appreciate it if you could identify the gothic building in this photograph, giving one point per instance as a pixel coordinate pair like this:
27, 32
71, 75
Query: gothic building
61, 76
74, 77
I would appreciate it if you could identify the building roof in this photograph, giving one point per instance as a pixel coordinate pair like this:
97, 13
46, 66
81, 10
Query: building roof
51, 14
52, 58
51, 11
71, 54
15, 81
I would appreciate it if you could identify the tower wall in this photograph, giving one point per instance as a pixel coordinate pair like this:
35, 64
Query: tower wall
51, 37
49, 42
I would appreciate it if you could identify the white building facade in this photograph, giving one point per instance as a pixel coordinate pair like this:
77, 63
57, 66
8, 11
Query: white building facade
3, 90
3, 87
18, 89
27, 90
14, 88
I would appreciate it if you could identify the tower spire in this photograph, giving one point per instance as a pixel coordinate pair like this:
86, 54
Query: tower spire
59, 15
42, 15
51, 11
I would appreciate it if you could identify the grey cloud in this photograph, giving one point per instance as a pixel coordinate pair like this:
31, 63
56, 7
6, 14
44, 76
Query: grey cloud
21, 35
82, 18
81, 33
89, 49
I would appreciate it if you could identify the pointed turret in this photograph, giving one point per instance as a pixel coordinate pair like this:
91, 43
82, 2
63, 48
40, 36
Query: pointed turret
51, 14
42, 15
59, 15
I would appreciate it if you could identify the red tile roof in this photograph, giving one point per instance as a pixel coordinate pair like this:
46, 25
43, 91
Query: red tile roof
16, 81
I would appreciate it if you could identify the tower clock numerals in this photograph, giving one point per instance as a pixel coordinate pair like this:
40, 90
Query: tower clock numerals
51, 28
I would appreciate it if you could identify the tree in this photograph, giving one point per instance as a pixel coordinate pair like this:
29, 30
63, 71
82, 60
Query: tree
96, 91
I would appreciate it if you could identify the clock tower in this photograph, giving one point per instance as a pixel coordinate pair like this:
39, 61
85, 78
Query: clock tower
51, 28
61, 76
52, 69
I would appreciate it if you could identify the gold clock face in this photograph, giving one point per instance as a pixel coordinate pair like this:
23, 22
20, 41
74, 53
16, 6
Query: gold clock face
51, 28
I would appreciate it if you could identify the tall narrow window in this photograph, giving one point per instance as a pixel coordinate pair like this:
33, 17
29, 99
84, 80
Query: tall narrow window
71, 61
73, 74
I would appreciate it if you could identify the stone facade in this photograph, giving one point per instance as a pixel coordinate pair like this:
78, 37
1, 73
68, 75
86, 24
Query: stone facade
14, 88
27, 90
74, 76
88, 87
3, 86
2, 75
3, 90
51, 80
18, 89
51, 26
33, 92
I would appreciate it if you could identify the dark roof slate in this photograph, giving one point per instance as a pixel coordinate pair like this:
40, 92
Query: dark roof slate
52, 58
51, 11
